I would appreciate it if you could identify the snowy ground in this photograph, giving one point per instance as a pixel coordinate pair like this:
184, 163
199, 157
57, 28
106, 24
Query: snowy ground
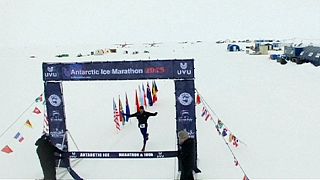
272, 108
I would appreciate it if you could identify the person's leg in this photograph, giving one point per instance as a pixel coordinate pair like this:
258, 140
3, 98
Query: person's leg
144, 134
189, 174
186, 175
44, 168
50, 170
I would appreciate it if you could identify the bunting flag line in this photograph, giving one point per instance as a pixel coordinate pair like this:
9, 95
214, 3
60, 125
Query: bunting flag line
116, 115
127, 109
149, 95
19, 137
223, 131
7, 149
36, 110
28, 124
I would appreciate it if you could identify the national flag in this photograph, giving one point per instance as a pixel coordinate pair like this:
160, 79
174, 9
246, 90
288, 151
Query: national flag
224, 132
28, 124
230, 137
116, 115
141, 96
137, 102
154, 92
149, 95
220, 124
144, 96
19, 137
198, 99
155, 86
36, 110
7, 149
208, 116
204, 112
245, 177
236, 162
127, 109
121, 118
39, 99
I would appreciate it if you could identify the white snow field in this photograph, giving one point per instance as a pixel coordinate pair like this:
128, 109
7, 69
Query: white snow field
272, 108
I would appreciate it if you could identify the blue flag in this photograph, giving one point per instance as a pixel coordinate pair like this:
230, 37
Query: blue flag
127, 109
149, 95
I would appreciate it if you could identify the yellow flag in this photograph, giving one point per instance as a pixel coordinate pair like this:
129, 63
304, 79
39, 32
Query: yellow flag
28, 124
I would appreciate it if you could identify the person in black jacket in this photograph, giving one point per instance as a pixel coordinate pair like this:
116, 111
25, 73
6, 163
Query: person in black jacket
142, 117
47, 155
186, 155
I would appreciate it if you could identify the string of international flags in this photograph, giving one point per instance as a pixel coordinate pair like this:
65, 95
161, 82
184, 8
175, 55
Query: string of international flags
143, 97
19, 135
225, 132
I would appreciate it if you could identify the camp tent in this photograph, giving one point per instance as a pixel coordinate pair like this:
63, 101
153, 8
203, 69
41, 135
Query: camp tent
233, 47
310, 54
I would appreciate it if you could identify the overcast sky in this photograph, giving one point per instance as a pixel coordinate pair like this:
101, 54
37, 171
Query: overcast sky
75, 22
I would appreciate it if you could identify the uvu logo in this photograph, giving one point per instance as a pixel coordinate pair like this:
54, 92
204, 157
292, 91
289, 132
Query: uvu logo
184, 69
50, 72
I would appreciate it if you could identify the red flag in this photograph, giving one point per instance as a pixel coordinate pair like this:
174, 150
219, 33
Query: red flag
36, 110
7, 149
245, 177
137, 102
121, 118
198, 99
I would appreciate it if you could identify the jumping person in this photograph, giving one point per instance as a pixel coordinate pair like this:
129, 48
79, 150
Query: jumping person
47, 155
142, 117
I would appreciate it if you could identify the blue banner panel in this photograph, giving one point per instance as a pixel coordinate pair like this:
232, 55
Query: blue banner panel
56, 117
185, 106
119, 70
183, 69
125, 155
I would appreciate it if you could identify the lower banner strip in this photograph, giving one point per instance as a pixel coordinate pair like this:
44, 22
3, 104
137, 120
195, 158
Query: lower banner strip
149, 154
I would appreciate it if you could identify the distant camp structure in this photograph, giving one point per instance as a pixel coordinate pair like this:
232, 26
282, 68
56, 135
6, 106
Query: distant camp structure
233, 47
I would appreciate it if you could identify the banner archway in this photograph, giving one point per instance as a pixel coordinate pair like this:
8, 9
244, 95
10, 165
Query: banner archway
179, 70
